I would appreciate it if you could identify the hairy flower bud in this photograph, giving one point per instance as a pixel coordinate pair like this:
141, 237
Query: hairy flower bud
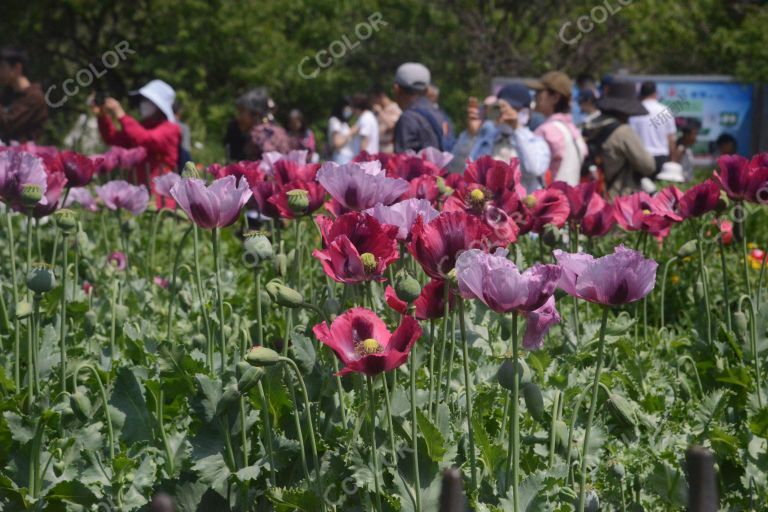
687, 249
283, 295
66, 220
407, 288
262, 356
190, 171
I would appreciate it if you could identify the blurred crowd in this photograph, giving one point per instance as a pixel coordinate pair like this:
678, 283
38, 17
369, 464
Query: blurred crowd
621, 137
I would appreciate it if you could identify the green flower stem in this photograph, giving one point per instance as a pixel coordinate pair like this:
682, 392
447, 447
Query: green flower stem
745, 254
259, 318
753, 345
267, 433
152, 239
103, 393
760, 280
76, 249
37, 240
513, 448
113, 326
203, 312
571, 427
552, 433
163, 434
224, 426
173, 286
702, 266
374, 450
443, 343
28, 268
310, 424
243, 434
34, 466
390, 426
664, 286
592, 407
63, 322
451, 358
431, 365
15, 290
468, 395
726, 295
220, 297
415, 430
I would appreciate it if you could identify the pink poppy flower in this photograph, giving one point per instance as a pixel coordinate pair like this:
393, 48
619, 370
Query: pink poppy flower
55, 182
547, 207
78, 169
699, 199
315, 193
618, 278
356, 247
599, 218
118, 260
121, 195
215, 206
83, 197
359, 186
429, 305
165, 182
403, 214
362, 342
538, 323
17, 169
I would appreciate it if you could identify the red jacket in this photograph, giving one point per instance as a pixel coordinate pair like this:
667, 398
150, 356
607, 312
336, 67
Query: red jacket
160, 140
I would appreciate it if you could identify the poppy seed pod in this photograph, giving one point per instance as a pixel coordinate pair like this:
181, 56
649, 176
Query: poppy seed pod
257, 248
31, 194
407, 287
66, 220
129, 226
298, 201
190, 171
534, 401
283, 295
262, 356
687, 249
41, 280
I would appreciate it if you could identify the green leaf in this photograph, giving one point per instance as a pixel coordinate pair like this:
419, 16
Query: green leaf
435, 441
294, 499
304, 351
212, 392
72, 491
20, 431
128, 398
214, 472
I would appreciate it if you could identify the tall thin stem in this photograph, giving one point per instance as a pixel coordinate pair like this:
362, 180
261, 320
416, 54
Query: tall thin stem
203, 312
443, 342
468, 395
374, 450
726, 295
664, 286
743, 223
705, 284
267, 433
63, 324
220, 297
592, 407
172, 286
513, 447
415, 432
16, 323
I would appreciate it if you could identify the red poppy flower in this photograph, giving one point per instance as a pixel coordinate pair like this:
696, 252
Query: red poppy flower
245, 169
286, 171
547, 207
599, 217
363, 343
578, 197
758, 179
422, 187
700, 199
733, 175
356, 247
500, 180
55, 182
262, 191
409, 167
78, 169
437, 245
315, 192
429, 305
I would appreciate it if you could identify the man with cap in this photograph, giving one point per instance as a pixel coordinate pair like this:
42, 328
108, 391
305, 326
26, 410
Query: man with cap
657, 128
625, 163
421, 125
157, 132
566, 145
507, 136
23, 110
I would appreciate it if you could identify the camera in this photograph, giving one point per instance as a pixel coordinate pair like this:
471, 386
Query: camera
99, 97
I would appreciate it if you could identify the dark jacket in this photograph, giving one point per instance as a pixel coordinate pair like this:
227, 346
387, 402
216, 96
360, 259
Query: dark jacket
22, 114
415, 131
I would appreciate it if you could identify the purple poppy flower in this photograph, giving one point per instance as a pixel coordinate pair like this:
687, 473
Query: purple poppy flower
618, 278
403, 214
121, 195
538, 323
440, 158
215, 206
498, 283
360, 186
83, 197
17, 169
270, 158
118, 260
165, 182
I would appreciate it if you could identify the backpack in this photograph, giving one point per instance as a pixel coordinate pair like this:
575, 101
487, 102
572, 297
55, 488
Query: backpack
595, 137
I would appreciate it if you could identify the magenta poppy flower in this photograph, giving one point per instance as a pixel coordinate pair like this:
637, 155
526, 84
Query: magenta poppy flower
161, 282
78, 169
437, 244
628, 210
55, 182
495, 280
619, 278
165, 182
440, 158
700, 199
215, 206
499, 181
17, 169
118, 260
429, 305
757, 189
358, 186
733, 175
251, 171
538, 323
315, 194
288, 171
121, 195
270, 158
423, 187
356, 247
262, 192
578, 197
599, 218
410, 167
361, 340
83, 197
403, 214
547, 207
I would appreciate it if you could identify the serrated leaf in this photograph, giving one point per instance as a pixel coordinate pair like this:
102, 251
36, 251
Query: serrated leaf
304, 352
214, 472
128, 398
20, 432
434, 439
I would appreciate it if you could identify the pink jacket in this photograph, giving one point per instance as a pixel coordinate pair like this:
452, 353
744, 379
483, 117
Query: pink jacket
557, 142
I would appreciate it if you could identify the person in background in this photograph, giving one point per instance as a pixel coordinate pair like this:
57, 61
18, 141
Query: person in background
566, 145
656, 129
157, 132
365, 133
726, 144
508, 136
616, 147
23, 109
185, 147
421, 125
588, 106
449, 137
476, 123
684, 154
339, 133
263, 135
300, 134
387, 113
84, 136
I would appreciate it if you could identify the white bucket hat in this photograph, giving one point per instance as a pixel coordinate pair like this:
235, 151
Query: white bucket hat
162, 95
671, 171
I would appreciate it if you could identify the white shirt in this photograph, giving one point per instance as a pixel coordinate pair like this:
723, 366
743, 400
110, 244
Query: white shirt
346, 153
655, 128
369, 128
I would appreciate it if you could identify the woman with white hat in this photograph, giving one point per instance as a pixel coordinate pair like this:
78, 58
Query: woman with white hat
157, 131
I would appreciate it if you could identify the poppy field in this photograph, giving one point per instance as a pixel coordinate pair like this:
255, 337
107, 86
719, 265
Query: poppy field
283, 335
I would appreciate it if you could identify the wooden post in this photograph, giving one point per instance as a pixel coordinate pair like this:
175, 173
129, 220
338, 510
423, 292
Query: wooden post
452, 495
702, 484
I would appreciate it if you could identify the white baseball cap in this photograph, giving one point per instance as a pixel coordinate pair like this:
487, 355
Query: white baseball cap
162, 95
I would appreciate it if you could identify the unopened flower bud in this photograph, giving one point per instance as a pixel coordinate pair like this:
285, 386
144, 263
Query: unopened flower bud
41, 280
283, 295
66, 220
740, 324
281, 264
407, 288
31, 194
81, 405
687, 249
190, 171
298, 201
262, 356
369, 262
